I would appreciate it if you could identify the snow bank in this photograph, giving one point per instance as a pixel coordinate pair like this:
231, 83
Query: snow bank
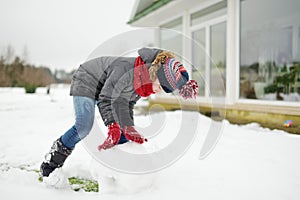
248, 162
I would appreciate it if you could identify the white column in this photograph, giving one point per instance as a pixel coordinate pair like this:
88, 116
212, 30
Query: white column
232, 52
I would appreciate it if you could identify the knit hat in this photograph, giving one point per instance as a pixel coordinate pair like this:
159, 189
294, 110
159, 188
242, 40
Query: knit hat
172, 75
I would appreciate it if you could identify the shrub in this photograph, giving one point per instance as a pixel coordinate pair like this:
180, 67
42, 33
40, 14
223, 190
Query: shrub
30, 88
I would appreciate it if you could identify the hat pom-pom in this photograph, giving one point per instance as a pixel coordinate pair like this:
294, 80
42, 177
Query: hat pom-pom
189, 90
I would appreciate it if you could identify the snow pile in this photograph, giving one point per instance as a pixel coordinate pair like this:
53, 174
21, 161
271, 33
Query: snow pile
249, 162
113, 182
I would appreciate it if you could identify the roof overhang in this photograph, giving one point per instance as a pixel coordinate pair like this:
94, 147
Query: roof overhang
160, 10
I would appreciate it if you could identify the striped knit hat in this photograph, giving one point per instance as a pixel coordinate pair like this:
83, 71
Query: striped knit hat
172, 75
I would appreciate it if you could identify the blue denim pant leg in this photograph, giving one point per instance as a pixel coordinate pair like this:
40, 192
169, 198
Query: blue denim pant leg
84, 118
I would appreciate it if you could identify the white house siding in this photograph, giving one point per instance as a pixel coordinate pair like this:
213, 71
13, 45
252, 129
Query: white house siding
183, 11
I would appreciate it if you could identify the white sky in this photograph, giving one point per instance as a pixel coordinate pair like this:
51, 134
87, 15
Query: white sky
60, 34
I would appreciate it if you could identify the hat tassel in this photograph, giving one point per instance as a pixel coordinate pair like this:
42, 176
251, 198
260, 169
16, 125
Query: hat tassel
189, 90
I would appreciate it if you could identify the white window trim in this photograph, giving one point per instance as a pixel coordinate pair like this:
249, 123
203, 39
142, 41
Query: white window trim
269, 102
204, 5
210, 22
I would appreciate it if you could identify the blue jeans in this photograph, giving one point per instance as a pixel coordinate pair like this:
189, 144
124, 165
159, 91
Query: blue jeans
84, 118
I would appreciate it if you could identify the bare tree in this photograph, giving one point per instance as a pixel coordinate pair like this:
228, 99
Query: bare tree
25, 54
9, 54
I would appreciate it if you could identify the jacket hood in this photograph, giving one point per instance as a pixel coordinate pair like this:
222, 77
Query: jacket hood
148, 55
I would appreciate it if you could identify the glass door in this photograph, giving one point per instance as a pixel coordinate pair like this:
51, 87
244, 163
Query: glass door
209, 57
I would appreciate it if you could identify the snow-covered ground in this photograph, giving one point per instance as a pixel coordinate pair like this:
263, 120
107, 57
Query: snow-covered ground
248, 162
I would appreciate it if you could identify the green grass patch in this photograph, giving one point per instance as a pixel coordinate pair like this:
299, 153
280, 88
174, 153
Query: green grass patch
83, 184
40, 178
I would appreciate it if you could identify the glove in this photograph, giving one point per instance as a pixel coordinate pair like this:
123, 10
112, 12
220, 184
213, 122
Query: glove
131, 134
114, 134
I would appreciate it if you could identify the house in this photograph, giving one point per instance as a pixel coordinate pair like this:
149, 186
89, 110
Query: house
245, 55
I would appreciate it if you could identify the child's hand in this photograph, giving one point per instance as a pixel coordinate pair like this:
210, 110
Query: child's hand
114, 134
131, 134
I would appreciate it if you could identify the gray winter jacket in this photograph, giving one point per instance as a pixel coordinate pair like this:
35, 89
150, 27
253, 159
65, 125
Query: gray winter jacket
109, 80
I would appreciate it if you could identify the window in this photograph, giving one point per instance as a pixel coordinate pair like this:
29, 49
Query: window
270, 50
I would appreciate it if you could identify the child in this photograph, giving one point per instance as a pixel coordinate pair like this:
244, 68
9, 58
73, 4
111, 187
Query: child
115, 84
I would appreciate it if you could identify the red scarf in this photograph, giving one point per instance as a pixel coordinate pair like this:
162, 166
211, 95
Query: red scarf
141, 81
